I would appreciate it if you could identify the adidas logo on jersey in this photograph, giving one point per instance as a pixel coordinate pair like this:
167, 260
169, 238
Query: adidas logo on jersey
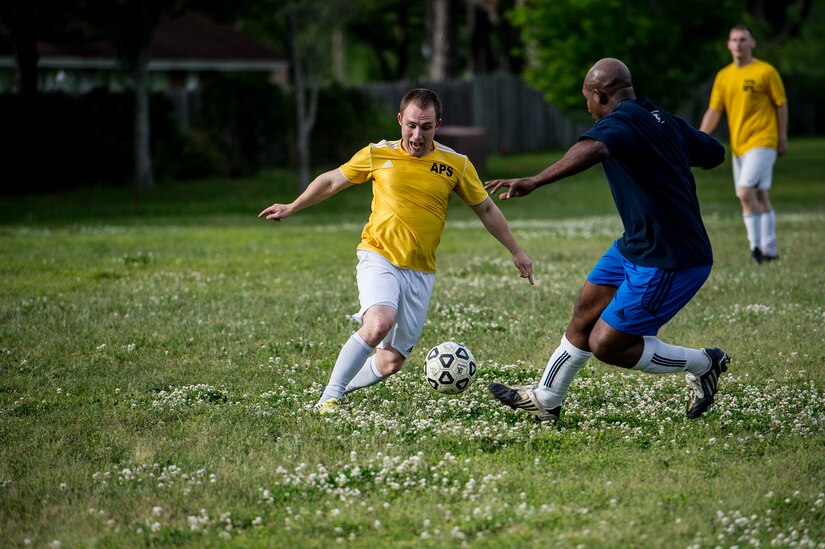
387, 164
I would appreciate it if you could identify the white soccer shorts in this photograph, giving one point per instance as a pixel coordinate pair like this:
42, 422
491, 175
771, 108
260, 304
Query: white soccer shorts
754, 169
407, 290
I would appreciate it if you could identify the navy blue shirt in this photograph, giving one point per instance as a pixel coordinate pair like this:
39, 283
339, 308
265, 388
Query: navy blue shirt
649, 172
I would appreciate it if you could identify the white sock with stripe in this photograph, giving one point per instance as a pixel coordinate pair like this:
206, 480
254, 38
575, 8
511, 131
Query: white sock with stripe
561, 369
366, 376
350, 360
659, 357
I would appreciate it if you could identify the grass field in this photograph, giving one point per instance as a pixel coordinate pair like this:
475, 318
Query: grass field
159, 356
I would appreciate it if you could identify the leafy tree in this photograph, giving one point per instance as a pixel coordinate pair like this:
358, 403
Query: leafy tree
130, 26
789, 34
304, 28
28, 21
669, 45
783, 19
391, 33
492, 40
398, 40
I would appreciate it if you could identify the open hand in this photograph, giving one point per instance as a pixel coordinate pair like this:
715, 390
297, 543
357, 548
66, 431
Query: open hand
276, 212
515, 187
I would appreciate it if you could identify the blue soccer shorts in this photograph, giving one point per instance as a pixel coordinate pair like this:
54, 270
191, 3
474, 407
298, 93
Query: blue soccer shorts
647, 297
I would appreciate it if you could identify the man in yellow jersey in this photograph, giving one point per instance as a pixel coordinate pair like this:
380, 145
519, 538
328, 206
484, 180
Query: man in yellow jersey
752, 93
413, 180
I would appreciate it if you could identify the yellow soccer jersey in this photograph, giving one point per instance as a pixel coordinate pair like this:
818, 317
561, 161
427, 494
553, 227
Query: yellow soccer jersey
750, 95
410, 198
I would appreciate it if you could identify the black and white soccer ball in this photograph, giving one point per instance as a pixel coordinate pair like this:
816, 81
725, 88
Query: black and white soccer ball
450, 368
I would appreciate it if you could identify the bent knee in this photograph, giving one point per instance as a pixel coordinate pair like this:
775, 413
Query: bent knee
375, 330
392, 368
388, 365
601, 351
606, 350
373, 335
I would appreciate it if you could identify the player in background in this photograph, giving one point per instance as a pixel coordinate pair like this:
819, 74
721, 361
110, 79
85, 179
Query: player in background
413, 180
752, 94
654, 269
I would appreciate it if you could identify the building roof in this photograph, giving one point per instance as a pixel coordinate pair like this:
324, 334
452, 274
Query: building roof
189, 42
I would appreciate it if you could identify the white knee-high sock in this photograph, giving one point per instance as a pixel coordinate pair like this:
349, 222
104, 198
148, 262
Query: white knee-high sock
366, 376
564, 364
351, 358
659, 357
753, 228
767, 225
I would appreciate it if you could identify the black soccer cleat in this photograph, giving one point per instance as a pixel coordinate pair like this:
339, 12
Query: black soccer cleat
524, 398
757, 256
703, 388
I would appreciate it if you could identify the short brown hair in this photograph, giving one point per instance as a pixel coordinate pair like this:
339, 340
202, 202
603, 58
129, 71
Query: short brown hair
422, 98
743, 28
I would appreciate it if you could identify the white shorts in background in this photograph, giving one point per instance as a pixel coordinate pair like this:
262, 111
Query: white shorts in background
754, 169
407, 290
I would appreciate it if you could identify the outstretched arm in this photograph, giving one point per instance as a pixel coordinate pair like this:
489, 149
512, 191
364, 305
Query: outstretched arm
321, 188
579, 157
496, 225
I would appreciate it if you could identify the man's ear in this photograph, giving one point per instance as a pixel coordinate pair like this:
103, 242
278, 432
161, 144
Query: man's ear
603, 98
399, 119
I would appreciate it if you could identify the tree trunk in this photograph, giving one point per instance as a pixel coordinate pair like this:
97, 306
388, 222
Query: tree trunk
402, 32
144, 178
439, 18
478, 23
304, 157
339, 68
24, 39
306, 106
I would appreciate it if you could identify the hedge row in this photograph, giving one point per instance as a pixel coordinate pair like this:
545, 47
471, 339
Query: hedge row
238, 126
